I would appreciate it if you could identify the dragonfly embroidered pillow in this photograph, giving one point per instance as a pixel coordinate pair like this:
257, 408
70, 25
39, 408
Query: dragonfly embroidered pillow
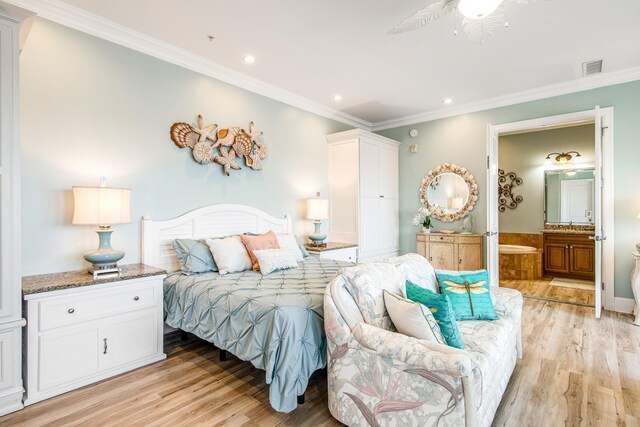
469, 294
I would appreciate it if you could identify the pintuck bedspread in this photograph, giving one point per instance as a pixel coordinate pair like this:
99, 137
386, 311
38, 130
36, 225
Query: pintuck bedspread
274, 321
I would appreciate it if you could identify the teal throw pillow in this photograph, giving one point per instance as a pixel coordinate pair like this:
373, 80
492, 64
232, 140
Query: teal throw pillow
440, 307
469, 295
194, 256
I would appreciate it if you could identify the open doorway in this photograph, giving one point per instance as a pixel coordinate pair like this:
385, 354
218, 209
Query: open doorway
546, 212
601, 216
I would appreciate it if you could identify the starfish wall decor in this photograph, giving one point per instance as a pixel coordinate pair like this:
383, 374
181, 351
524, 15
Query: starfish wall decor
230, 143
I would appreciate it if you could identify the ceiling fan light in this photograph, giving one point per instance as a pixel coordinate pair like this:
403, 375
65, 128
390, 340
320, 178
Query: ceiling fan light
477, 9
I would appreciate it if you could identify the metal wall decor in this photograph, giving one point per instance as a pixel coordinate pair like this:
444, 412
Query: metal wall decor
229, 143
506, 184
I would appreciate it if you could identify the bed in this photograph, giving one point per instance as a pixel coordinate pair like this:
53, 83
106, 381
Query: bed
274, 321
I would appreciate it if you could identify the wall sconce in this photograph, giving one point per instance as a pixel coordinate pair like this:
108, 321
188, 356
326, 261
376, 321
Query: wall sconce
562, 158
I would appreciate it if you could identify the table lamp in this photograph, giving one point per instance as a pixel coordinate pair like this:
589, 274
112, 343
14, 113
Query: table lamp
317, 210
103, 207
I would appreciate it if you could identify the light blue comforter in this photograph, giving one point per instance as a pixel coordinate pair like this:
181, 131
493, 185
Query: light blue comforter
275, 321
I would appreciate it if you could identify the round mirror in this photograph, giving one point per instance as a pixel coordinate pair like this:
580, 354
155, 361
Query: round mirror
449, 191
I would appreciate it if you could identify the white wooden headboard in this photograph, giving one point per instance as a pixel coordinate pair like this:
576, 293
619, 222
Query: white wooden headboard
209, 221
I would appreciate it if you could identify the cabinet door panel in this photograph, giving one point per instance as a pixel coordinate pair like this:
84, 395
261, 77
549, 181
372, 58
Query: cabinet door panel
582, 259
369, 170
389, 224
442, 256
469, 256
68, 356
369, 224
128, 340
556, 257
388, 170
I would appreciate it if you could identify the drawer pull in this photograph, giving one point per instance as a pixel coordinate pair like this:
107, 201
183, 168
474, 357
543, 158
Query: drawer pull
71, 311
105, 346
136, 298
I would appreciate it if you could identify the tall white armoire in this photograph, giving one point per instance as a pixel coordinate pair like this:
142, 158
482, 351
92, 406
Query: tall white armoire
11, 321
363, 193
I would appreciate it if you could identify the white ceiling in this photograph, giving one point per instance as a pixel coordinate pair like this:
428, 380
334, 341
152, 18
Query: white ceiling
316, 49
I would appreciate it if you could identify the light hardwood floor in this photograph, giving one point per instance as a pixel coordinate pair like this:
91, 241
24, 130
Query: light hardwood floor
542, 289
576, 371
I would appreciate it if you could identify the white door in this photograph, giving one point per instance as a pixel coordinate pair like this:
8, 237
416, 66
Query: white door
599, 235
128, 340
576, 200
369, 169
493, 259
388, 167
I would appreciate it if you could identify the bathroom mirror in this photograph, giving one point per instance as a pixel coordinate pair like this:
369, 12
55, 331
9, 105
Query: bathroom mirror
569, 196
449, 191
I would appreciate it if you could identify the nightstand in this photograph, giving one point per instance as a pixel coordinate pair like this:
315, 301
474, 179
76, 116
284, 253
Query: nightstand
337, 251
80, 331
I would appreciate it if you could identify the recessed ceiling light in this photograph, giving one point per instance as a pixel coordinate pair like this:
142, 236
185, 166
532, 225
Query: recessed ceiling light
337, 97
249, 59
447, 101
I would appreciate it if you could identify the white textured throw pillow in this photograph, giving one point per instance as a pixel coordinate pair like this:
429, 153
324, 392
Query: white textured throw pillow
271, 260
288, 241
416, 269
413, 319
230, 254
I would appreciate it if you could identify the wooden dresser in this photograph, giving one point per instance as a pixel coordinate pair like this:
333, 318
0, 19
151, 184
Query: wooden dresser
569, 255
451, 251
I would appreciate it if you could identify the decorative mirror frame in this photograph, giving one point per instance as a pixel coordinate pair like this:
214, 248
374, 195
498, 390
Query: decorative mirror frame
468, 179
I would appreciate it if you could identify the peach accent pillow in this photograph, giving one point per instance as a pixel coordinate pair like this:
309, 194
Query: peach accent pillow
267, 240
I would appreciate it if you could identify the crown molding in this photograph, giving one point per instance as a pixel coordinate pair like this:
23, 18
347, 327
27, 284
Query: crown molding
582, 84
81, 20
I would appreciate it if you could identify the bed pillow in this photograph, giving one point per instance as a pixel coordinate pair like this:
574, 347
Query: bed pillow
413, 319
194, 256
440, 306
288, 241
229, 254
271, 260
469, 294
268, 240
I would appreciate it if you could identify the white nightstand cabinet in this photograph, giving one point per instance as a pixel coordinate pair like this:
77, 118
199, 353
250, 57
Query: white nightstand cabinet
84, 334
336, 251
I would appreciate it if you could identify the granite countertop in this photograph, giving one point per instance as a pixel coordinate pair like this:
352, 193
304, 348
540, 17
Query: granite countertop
329, 246
559, 231
73, 279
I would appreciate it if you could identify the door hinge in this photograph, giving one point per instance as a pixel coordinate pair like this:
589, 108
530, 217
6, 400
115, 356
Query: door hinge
602, 286
602, 129
487, 162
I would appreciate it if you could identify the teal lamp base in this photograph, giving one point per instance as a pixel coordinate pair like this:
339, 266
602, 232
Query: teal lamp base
317, 238
105, 259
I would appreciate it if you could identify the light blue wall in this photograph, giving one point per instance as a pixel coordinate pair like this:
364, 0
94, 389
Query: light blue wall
462, 140
92, 108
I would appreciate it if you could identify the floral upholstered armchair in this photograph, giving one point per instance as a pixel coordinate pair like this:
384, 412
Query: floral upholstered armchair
378, 377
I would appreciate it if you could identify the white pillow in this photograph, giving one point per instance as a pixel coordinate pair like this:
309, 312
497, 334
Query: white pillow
271, 260
288, 241
413, 319
416, 269
230, 254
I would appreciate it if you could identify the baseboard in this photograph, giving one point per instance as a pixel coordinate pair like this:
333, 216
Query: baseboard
11, 402
624, 305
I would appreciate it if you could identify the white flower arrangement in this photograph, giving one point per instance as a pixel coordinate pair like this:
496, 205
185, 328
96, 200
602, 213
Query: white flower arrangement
423, 217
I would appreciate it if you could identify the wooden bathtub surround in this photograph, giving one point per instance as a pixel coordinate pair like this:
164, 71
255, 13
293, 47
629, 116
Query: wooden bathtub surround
569, 255
521, 266
457, 252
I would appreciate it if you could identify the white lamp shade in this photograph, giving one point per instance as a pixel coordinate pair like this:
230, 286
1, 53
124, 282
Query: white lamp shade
317, 209
478, 9
101, 205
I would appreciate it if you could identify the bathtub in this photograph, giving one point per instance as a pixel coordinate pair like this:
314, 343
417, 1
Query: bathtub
516, 249
520, 262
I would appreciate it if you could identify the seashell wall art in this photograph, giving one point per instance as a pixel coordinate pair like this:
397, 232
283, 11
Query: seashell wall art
212, 144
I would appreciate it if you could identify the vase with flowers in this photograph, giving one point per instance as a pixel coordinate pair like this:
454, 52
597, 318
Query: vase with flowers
423, 218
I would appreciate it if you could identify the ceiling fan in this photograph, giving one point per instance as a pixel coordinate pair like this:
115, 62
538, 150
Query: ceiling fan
481, 18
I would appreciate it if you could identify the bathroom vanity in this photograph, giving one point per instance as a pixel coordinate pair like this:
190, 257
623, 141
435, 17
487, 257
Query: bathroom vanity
569, 254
